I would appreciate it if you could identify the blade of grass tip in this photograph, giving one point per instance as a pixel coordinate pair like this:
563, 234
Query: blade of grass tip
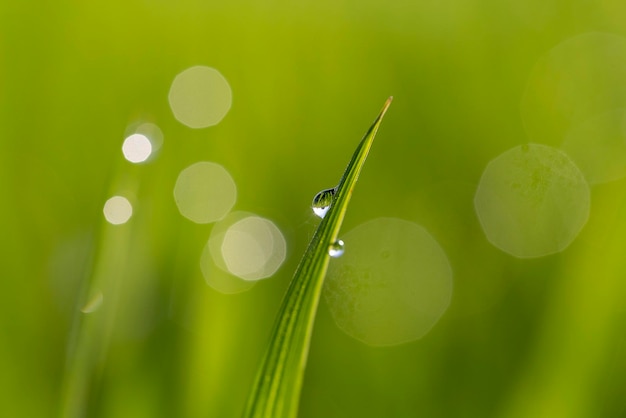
276, 390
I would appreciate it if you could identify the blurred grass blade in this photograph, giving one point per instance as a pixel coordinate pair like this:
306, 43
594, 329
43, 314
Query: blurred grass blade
276, 391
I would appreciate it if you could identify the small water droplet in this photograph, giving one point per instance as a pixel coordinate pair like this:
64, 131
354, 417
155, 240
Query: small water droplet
322, 200
336, 249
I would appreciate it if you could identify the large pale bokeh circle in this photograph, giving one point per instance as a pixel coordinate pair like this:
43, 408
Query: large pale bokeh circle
253, 248
598, 146
391, 285
248, 246
200, 97
117, 210
532, 201
578, 79
205, 192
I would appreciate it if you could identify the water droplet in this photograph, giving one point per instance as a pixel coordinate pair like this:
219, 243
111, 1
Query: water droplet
322, 200
336, 249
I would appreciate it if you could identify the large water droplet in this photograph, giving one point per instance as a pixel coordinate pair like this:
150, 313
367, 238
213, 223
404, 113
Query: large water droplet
336, 249
322, 200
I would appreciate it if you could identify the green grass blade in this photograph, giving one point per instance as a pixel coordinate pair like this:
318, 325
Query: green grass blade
276, 391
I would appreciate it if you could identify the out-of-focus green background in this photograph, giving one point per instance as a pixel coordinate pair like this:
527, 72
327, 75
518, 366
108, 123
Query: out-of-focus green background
522, 337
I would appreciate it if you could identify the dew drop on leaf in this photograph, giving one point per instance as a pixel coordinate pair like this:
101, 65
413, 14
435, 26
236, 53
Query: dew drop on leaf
322, 200
336, 249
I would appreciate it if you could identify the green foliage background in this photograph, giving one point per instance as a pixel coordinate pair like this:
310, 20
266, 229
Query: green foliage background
522, 338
